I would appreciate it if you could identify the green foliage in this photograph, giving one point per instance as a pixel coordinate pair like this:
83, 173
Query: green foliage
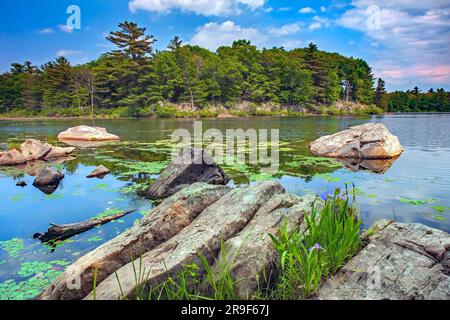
133, 81
307, 256
415, 101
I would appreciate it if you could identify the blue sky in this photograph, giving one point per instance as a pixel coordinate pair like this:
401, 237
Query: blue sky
406, 42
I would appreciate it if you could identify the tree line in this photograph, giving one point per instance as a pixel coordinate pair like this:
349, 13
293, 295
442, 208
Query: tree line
136, 80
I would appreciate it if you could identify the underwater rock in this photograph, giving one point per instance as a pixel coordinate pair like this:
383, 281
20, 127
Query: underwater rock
218, 222
48, 177
192, 165
377, 166
12, 158
158, 226
367, 141
86, 133
401, 262
100, 172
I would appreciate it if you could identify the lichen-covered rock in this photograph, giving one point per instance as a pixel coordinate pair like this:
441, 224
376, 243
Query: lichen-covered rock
251, 256
33, 149
158, 226
86, 133
401, 262
219, 222
367, 141
12, 158
193, 165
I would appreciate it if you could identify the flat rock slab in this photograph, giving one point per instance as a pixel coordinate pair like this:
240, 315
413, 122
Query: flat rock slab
401, 262
12, 158
86, 133
367, 141
251, 256
158, 226
35, 149
219, 222
193, 165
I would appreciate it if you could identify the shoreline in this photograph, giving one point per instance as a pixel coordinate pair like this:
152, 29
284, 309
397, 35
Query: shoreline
230, 117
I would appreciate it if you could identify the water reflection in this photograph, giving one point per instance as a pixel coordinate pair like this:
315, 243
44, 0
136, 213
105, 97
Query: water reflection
379, 166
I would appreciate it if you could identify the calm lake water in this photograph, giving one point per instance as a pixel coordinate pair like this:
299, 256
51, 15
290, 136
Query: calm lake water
416, 188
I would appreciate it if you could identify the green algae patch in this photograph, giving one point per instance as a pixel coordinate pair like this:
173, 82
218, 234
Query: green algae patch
16, 197
107, 213
153, 167
327, 177
54, 196
302, 161
416, 202
135, 188
95, 239
441, 209
12, 247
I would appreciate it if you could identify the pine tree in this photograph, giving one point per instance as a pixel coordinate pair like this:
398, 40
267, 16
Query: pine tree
132, 40
380, 94
175, 44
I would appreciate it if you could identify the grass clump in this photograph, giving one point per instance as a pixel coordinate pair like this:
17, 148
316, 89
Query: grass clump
307, 256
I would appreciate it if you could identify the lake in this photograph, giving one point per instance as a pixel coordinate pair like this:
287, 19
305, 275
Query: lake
415, 188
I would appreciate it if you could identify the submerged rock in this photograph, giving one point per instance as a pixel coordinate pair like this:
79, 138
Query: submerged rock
367, 141
22, 184
86, 133
12, 158
33, 149
48, 177
401, 262
100, 172
193, 165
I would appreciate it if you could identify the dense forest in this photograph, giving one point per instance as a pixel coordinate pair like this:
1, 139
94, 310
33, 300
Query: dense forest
135, 80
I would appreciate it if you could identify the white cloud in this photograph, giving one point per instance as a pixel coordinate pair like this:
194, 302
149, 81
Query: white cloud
65, 28
213, 35
404, 36
268, 10
323, 9
285, 9
46, 31
307, 10
201, 7
286, 29
67, 53
291, 44
314, 26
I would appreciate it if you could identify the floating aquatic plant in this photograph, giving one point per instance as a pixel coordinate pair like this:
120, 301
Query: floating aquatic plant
95, 239
16, 197
12, 247
416, 202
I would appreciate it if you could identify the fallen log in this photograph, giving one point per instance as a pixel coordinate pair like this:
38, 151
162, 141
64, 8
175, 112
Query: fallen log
66, 231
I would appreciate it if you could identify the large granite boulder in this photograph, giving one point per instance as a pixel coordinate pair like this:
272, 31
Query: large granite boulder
192, 165
367, 141
86, 133
401, 262
12, 158
33, 149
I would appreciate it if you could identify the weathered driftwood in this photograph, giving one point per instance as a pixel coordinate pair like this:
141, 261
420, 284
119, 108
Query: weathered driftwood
193, 165
251, 256
219, 222
65, 231
401, 262
161, 224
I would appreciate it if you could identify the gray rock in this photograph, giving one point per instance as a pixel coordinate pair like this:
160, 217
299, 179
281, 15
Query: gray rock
48, 177
219, 222
401, 262
12, 158
368, 141
251, 256
194, 165
158, 226
100, 172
